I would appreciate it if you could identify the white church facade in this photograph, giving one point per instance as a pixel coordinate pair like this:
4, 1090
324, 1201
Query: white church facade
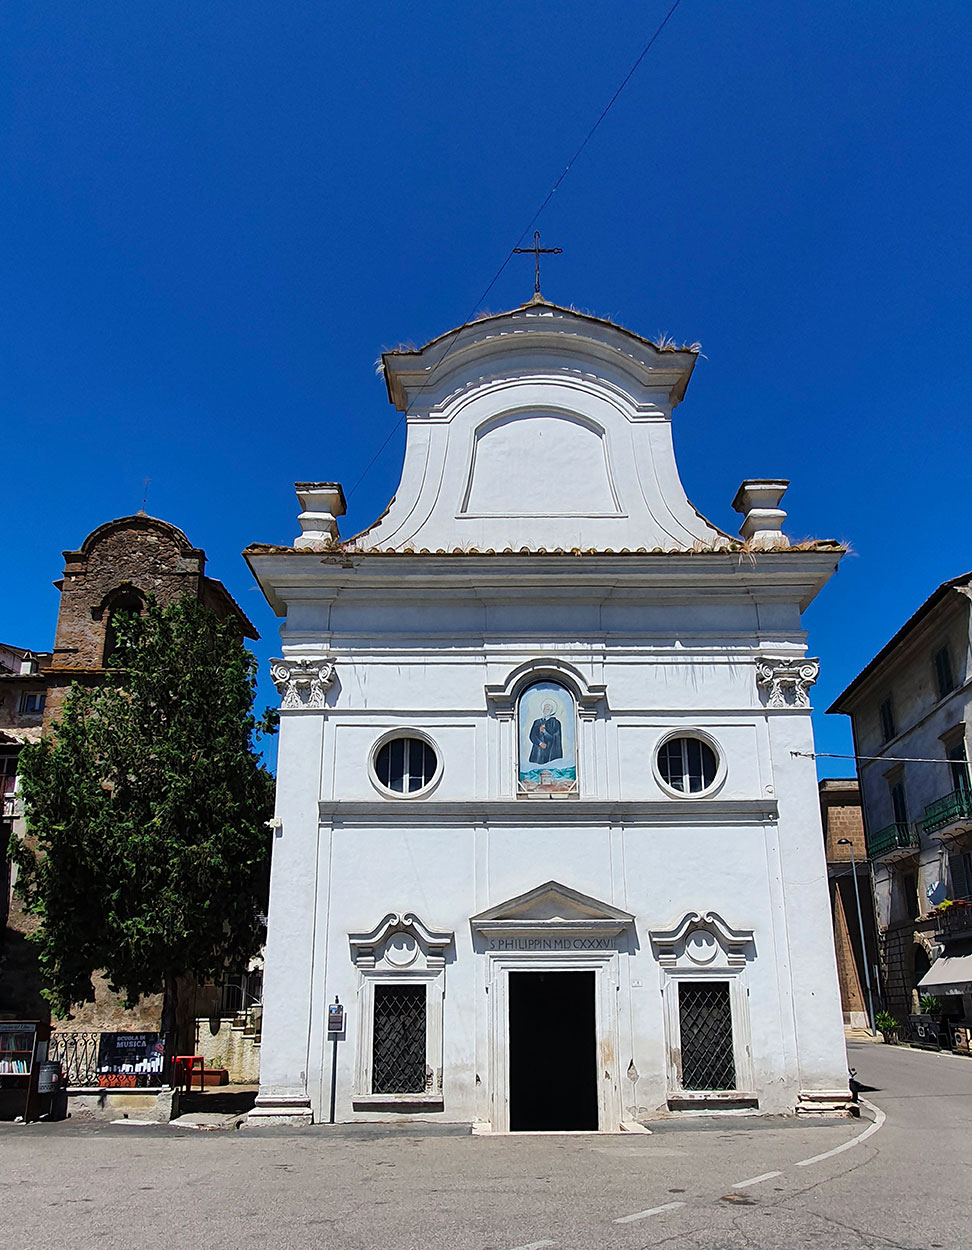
547, 831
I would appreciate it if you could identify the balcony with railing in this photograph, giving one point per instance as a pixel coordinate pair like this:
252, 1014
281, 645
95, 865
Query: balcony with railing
954, 921
950, 814
893, 841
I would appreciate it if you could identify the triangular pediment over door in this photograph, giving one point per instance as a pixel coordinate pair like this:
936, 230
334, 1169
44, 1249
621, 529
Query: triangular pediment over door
552, 907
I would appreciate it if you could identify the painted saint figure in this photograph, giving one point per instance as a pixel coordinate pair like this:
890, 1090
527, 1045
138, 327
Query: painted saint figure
545, 735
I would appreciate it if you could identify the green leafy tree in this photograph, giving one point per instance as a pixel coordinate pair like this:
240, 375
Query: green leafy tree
147, 857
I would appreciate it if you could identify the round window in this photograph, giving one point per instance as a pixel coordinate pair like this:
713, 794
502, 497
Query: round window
687, 765
406, 765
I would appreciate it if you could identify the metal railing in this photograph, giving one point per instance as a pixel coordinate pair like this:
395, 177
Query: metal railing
899, 837
954, 920
948, 810
240, 995
78, 1055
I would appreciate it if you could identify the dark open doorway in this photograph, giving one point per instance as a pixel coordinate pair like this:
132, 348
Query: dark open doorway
553, 1073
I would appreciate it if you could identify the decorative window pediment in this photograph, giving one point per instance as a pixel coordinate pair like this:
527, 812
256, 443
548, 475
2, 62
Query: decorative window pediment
401, 969
705, 1006
400, 940
501, 698
702, 941
552, 907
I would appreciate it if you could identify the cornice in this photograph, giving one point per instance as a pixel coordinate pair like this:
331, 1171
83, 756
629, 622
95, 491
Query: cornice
677, 577
541, 564
468, 813
545, 328
535, 928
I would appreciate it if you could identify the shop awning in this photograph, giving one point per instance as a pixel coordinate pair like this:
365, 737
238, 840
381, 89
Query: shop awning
949, 974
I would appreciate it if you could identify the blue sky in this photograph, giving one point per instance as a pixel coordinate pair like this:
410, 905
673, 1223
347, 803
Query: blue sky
214, 217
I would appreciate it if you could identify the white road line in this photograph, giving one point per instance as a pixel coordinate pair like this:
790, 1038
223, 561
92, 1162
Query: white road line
754, 1180
879, 1118
643, 1215
535, 1245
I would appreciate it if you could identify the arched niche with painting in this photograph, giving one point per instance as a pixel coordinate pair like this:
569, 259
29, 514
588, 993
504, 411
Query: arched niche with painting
546, 724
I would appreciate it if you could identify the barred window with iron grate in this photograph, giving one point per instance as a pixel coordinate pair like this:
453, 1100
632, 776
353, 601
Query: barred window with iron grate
398, 1065
705, 1020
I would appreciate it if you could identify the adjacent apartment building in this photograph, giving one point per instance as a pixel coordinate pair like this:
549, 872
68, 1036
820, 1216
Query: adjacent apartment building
910, 710
23, 691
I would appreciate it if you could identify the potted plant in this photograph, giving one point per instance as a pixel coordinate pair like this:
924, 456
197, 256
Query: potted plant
888, 1026
947, 904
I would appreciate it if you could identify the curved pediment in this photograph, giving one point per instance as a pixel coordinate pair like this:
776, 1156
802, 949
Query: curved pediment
701, 937
541, 428
398, 939
422, 377
502, 697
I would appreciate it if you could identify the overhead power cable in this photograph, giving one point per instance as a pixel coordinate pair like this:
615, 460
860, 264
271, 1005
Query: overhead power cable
526, 230
887, 759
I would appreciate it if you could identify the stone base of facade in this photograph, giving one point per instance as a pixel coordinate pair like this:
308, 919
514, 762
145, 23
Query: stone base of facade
293, 1112
826, 1102
856, 1020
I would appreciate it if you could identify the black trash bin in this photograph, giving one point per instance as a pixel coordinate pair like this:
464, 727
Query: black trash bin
49, 1077
51, 1088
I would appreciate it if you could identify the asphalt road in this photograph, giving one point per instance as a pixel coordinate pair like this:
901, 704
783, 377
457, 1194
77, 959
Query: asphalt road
906, 1184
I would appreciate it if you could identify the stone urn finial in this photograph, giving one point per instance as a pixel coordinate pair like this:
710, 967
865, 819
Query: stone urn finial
758, 499
321, 503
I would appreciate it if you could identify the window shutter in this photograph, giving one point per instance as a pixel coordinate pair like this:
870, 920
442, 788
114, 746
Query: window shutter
943, 672
959, 875
887, 719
